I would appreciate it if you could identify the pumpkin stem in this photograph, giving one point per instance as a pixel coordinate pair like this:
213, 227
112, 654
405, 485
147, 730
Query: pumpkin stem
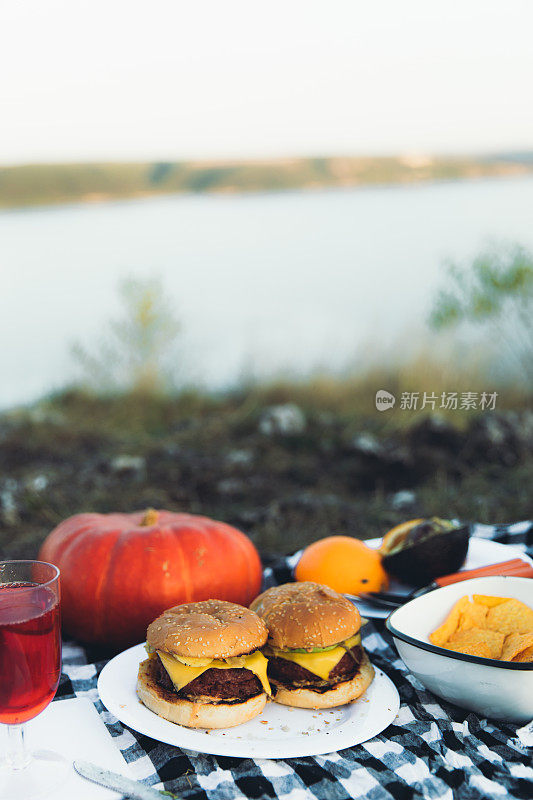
150, 517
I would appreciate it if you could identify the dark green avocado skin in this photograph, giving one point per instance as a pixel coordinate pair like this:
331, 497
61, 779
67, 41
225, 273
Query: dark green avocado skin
420, 563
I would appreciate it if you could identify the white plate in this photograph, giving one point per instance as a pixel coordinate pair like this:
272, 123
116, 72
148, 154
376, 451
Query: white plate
481, 553
278, 732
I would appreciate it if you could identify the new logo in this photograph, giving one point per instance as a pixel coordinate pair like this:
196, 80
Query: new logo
384, 400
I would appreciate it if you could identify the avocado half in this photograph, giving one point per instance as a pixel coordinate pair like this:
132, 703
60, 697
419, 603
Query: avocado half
425, 551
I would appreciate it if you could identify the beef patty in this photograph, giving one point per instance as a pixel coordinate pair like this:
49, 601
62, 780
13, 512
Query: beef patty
221, 684
290, 674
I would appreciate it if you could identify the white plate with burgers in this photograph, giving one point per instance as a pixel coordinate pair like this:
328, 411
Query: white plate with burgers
205, 684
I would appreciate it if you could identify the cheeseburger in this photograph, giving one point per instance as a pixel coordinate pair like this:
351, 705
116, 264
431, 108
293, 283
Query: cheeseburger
205, 668
315, 657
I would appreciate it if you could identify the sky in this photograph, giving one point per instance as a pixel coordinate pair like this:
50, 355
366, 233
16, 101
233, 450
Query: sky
169, 79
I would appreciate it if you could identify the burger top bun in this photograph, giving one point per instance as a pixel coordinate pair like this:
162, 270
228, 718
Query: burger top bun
208, 629
306, 615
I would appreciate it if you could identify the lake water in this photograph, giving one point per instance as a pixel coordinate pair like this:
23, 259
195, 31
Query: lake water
264, 282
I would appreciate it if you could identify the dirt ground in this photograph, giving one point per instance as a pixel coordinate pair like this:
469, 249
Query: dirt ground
283, 473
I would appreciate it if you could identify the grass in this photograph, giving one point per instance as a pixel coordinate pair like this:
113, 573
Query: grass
205, 454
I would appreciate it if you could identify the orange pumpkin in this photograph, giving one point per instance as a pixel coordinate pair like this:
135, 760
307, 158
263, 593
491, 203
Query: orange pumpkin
120, 571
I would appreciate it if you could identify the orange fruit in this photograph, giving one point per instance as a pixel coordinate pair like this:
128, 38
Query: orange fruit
344, 564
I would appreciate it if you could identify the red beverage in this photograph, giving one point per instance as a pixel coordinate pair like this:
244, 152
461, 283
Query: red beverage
30, 650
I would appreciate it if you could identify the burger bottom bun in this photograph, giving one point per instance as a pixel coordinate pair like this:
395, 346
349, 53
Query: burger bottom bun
193, 714
345, 692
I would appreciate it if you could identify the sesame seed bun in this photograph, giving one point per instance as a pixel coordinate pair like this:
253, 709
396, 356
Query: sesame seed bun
193, 714
338, 695
306, 615
207, 629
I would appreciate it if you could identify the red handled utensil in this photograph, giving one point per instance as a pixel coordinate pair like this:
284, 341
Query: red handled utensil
516, 567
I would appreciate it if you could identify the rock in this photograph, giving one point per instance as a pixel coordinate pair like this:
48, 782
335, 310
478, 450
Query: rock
403, 499
231, 486
314, 500
369, 462
493, 430
287, 420
134, 466
171, 450
240, 458
37, 483
367, 445
8, 504
524, 421
250, 516
495, 438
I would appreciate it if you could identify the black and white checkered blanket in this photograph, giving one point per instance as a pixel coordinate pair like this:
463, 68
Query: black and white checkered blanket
432, 750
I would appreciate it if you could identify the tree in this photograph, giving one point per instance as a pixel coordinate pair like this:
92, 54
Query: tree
136, 351
495, 291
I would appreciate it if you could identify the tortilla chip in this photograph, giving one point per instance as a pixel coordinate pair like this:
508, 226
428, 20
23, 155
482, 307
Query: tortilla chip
470, 648
510, 617
515, 644
525, 655
472, 616
488, 600
493, 639
490, 627
441, 635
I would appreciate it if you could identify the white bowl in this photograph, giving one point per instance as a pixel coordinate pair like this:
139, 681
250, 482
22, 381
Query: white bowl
497, 689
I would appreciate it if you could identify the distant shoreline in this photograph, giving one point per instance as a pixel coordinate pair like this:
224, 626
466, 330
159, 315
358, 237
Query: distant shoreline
57, 184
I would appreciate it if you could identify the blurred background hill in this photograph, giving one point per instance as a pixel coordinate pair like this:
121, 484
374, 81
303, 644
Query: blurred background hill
38, 184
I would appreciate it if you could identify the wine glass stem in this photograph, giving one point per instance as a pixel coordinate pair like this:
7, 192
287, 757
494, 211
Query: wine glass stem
17, 755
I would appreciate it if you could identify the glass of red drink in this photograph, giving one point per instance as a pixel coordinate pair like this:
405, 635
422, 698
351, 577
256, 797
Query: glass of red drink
30, 668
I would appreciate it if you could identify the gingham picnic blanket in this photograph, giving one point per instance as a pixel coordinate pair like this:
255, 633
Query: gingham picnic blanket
432, 750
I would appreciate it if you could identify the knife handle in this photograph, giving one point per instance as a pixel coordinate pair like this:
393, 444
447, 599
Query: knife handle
515, 567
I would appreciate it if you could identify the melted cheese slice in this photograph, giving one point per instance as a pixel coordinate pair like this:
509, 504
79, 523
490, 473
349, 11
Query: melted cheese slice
183, 673
319, 664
